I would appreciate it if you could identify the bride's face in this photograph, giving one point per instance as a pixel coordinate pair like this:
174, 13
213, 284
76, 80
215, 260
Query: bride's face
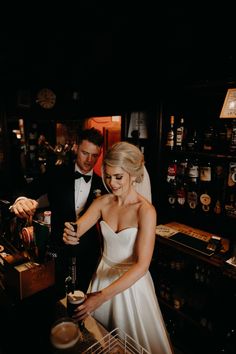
117, 180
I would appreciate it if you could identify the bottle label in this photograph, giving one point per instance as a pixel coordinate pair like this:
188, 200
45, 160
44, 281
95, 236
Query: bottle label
232, 147
170, 139
181, 196
192, 199
171, 172
193, 171
208, 139
205, 173
171, 199
219, 171
47, 217
218, 208
232, 174
179, 136
205, 208
205, 200
181, 168
230, 211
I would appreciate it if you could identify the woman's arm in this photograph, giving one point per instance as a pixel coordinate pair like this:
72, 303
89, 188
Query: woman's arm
143, 251
84, 223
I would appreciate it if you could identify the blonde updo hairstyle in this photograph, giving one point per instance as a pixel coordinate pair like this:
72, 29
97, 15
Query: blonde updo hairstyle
128, 157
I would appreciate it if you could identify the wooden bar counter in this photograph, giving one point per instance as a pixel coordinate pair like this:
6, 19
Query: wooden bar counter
92, 332
26, 324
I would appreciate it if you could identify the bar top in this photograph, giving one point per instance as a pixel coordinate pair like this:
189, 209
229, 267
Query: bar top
92, 333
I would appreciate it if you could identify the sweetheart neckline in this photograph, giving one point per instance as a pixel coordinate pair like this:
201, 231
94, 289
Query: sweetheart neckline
127, 228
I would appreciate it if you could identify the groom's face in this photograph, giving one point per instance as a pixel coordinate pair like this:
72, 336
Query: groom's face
87, 156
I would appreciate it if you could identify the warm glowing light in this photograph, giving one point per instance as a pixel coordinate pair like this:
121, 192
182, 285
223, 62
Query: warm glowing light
229, 106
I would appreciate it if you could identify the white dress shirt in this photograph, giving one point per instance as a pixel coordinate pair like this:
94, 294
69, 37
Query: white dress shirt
82, 189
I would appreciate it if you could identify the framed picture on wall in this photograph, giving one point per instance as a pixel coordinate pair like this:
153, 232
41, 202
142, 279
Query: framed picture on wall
138, 125
24, 98
229, 106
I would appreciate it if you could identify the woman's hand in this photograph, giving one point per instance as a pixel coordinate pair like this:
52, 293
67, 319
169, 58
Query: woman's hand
70, 237
92, 302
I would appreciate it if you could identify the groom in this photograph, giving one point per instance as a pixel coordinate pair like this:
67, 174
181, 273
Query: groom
69, 195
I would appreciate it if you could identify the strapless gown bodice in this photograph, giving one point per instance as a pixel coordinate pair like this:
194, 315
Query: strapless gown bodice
136, 310
118, 246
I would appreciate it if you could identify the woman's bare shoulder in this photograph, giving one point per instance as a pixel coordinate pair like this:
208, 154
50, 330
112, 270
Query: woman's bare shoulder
146, 206
106, 198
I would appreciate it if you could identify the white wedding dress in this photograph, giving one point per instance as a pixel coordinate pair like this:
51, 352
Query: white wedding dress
136, 310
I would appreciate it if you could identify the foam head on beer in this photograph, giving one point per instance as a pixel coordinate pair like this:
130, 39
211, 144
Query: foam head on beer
64, 333
74, 299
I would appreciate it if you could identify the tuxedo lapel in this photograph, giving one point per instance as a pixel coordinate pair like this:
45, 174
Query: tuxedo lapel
71, 190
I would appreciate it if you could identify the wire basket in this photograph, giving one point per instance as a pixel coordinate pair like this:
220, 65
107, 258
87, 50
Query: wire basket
116, 342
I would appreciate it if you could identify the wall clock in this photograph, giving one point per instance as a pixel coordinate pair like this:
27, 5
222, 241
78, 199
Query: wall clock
46, 98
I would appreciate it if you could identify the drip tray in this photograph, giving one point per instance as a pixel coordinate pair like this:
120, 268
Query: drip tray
192, 242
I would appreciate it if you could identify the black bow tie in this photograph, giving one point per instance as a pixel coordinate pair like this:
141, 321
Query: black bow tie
85, 177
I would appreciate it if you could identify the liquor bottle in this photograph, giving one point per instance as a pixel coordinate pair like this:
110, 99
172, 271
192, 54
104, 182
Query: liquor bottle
208, 139
230, 203
222, 143
232, 146
230, 197
171, 170
51, 249
228, 342
170, 143
193, 184
228, 135
181, 194
205, 194
178, 298
231, 339
181, 186
192, 140
182, 166
219, 179
172, 193
47, 219
179, 142
32, 147
171, 183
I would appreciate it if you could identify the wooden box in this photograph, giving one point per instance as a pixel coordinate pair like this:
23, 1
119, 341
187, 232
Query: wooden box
29, 278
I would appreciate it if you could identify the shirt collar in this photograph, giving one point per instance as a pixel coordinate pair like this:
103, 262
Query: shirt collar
90, 173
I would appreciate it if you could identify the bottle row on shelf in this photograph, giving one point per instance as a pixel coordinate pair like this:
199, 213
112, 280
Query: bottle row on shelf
180, 268
212, 138
202, 185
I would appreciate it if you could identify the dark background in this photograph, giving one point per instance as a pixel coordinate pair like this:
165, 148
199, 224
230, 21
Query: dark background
117, 56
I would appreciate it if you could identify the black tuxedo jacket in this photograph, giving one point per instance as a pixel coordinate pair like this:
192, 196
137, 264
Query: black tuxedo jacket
58, 183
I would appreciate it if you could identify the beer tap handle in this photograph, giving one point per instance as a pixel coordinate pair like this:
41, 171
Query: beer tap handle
73, 264
73, 274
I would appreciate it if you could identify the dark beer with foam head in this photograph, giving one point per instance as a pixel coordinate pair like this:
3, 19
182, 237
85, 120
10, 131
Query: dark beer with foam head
74, 299
64, 333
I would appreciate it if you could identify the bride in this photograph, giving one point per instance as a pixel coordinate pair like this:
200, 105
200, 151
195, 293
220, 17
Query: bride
122, 292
